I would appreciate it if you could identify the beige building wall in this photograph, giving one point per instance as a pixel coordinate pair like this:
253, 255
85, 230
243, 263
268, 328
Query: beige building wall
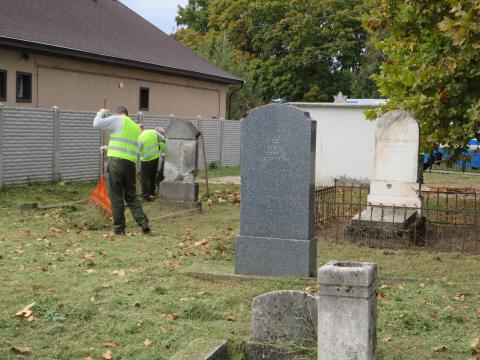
82, 85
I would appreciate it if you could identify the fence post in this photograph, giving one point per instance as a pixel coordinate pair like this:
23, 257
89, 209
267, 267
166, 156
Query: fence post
1, 145
56, 176
222, 134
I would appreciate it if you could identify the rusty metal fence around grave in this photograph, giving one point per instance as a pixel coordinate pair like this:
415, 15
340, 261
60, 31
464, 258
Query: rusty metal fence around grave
448, 219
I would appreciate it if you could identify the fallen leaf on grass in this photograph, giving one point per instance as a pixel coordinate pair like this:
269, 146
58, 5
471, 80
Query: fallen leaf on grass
88, 358
108, 355
110, 343
55, 231
477, 312
26, 312
31, 318
459, 297
173, 263
202, 293
475, 346
185, 299
120, 272
401, 286
312, 290
381, 298
168, 316
230, 318
21, 351
442, 348
90, 271
88, 257
387, 339
147, 342
384, 286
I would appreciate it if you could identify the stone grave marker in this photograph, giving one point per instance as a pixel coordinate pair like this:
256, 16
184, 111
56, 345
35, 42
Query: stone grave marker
181, 163
394, 196
395, 181
285, 316
347, 311
278, 183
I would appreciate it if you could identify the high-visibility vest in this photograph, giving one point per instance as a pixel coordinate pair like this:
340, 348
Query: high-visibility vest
149, 143
124, 144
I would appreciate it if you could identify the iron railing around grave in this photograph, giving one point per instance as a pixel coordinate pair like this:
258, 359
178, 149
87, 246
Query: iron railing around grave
448, 219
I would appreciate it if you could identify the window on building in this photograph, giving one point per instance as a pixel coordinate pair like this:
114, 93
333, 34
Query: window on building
144, 99
3, 85
24, 87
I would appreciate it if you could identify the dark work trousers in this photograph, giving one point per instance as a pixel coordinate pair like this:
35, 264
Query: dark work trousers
160, 175
122, 186
148, 173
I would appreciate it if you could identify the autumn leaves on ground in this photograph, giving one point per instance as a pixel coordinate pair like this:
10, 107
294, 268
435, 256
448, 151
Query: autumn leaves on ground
70, 292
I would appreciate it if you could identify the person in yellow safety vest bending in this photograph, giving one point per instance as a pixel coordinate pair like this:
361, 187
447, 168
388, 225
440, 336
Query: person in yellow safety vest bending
150, 155
122, 154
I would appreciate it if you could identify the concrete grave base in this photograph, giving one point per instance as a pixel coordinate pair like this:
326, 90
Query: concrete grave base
214, 271
179, 191
275, 257
263, 351
377, 217
203, 349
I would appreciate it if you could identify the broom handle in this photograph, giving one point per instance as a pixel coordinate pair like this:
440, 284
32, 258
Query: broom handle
205, 165
102, 155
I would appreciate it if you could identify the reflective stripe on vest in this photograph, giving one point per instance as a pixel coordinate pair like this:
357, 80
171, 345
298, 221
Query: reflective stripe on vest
149, 143
124, 144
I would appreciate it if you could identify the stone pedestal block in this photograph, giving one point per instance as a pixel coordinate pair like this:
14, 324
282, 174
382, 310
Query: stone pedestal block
347, 311
275, 257
179, 191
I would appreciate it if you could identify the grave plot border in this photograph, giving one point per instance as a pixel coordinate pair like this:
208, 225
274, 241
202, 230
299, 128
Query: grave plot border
449, 219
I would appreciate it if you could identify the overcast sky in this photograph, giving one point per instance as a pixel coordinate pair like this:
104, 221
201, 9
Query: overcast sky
159, 12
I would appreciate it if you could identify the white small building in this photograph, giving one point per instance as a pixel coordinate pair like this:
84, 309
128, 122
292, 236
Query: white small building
345, 140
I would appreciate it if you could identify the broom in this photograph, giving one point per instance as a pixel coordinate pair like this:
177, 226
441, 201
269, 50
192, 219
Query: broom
99, 196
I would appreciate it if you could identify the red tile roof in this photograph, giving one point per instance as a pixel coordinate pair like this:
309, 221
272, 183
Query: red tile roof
104, 30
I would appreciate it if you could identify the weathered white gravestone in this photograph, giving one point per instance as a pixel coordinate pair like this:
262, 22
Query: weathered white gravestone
180, 163
394, 196
277, 235
395, 180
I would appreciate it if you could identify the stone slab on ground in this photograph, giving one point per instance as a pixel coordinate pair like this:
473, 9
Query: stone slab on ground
262, 351
179, 191
401, 218
203, 349
221, 270
285, 316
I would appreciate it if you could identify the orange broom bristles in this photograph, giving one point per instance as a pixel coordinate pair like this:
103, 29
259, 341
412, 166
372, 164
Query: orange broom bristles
99, 196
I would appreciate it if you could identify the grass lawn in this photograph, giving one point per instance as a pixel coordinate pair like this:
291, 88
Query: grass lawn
93, 293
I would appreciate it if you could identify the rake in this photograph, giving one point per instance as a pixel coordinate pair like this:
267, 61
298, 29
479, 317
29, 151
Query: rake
99, 196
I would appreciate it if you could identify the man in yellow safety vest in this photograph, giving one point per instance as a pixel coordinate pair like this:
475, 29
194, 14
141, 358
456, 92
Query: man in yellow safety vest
122, 155
149, 154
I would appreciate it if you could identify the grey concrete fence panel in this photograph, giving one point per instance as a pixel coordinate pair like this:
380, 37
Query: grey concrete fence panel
55, 144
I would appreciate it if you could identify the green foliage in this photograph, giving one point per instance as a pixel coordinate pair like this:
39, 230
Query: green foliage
296, 50
432, 66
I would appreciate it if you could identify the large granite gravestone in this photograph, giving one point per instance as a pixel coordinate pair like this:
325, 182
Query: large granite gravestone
394, 196
181, 163
278, 183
